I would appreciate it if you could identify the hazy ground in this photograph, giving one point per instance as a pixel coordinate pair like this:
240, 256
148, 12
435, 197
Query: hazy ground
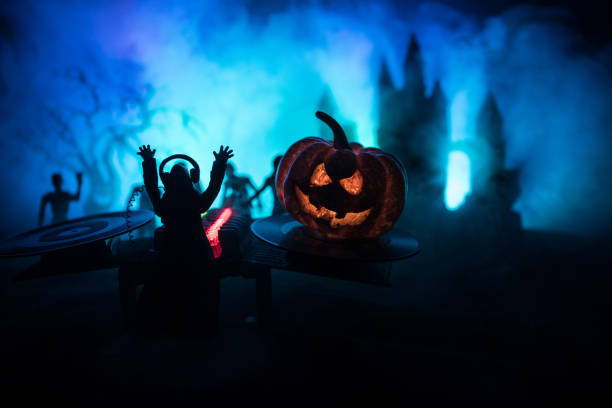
535, 322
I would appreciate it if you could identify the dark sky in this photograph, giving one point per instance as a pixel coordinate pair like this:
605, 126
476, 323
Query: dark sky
587, 17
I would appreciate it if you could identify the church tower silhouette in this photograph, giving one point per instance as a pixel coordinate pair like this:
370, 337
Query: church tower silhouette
412, 125
493, 181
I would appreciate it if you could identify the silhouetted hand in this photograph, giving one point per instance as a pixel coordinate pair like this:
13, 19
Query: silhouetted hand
79, 178
224, 154
146, 153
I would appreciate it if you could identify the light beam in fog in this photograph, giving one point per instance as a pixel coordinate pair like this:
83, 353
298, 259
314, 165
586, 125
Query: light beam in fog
458, 176
458, 184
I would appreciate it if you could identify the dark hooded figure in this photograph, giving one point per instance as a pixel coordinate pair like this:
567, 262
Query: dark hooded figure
185, 282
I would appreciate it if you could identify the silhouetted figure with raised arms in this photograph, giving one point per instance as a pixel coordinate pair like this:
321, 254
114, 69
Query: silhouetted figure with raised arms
184, 281
271, 183
59, 200
236, 191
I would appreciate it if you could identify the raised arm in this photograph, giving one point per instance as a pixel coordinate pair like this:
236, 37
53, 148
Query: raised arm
149, 174
216, 177
76, 196
41, 212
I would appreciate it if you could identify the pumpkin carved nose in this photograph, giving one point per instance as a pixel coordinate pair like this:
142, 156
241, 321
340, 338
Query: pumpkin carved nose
341, 164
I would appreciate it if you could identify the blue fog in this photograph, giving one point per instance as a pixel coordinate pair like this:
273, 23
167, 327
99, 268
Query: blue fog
211, 73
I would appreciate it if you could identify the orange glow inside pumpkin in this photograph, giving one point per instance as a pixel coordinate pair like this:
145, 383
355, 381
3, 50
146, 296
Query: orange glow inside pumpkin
350, 219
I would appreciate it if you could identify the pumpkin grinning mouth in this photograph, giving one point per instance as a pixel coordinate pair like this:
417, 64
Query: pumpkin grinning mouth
350, 219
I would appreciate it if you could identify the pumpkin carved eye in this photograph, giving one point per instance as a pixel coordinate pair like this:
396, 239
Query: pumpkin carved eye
353, 184
319, 176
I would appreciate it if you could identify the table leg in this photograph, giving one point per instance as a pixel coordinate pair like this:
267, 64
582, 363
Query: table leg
263, 294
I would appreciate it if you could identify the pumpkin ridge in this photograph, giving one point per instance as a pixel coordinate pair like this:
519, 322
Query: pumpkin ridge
287, 161
394, 205
308, 154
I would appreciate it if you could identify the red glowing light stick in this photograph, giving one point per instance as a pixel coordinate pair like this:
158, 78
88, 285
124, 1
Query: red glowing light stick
212, 232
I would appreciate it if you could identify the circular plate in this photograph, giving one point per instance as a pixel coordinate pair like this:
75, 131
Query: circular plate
73, 233
285, 232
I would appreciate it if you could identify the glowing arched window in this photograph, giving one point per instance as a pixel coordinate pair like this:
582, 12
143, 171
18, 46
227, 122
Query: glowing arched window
458, 184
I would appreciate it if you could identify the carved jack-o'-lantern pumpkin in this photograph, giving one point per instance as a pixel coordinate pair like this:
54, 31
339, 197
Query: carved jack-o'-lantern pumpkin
341, 190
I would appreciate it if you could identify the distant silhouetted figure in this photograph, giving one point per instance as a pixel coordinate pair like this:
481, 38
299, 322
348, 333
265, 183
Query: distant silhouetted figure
59, 200
271, 183
139, 194
235, 193
184, 282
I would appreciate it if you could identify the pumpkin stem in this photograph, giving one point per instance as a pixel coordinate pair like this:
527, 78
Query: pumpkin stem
340, 140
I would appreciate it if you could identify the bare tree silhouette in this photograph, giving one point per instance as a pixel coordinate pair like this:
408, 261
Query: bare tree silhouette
90, 137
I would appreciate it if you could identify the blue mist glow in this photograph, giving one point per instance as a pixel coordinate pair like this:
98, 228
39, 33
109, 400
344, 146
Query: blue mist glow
250, 75
459, 117
458, 184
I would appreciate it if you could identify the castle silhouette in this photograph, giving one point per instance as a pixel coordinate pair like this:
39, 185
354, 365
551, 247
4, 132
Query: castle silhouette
414, 127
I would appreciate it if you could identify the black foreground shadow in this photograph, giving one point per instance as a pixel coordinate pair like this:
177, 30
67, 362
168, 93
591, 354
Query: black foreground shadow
533, 323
